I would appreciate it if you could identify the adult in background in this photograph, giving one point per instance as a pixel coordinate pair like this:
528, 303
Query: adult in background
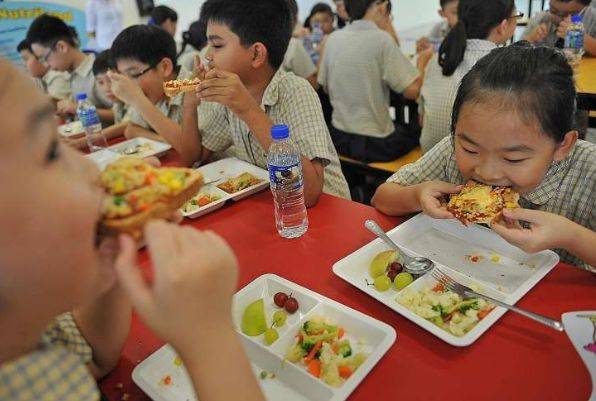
104, 22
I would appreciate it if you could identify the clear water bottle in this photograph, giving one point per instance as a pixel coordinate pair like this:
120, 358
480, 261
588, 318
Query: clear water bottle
87, 114
574, 41
315, 39
287, 185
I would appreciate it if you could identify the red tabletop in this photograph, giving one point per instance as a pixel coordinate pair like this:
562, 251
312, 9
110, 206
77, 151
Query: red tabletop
516, 359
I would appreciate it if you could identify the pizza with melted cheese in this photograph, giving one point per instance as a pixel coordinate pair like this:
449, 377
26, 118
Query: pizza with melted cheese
137, 192
177, 86
479, 203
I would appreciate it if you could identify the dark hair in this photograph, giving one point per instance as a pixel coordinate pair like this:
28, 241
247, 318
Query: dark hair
148, 44
102, 63
445, 2
293, 11
584, 2
356, 9
265, 21
196, 36
318, 8
476, 18
24, 45
161, 14
536, 82
46, 30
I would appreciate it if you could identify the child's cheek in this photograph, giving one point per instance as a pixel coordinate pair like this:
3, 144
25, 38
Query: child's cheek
465, 163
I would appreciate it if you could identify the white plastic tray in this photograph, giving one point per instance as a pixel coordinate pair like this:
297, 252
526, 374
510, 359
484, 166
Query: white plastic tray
580, 331
217, 173
231, 167
291, 382
152, 148
71, 130
450, 245
103, 157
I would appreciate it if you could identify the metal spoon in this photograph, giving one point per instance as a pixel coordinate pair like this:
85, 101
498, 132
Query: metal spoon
413, 265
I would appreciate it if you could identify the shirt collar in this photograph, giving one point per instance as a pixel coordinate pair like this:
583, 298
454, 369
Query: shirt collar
361, 25
271, 94
550, 183
480, 44
84, 69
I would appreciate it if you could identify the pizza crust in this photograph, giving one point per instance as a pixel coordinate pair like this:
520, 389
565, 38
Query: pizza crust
479, 203
176, 86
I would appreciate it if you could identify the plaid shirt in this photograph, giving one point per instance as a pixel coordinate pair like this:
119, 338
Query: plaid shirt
55, 371
568, 188
288, 100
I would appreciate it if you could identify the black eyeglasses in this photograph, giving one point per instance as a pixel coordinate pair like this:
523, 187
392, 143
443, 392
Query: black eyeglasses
137, 75
518, 15
44, 59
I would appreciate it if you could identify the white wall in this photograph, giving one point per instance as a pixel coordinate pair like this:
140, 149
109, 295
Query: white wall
411, 17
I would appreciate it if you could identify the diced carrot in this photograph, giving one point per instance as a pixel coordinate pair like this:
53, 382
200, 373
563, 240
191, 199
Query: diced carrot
143, 206
439, 288
203, 200
482, 314
345, 371
313, 352
133, 198
340, 333
150, 177
314, 367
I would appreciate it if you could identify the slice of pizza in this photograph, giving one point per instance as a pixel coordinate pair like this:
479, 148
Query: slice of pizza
177, 86
137, 192
479, 203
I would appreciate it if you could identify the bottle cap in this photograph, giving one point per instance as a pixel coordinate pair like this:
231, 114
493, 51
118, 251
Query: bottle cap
280, 132
576, 19
81, 96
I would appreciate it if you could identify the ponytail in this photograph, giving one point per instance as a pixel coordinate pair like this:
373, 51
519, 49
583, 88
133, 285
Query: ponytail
185, 41
453, 48
476, 19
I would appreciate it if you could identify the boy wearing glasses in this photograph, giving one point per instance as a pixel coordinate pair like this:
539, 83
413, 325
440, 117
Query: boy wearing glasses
145, 58
56, 45
549, 27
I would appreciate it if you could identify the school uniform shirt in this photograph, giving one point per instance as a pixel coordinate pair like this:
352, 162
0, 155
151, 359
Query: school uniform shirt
82, 80
589, 21
170, 107
104, 17
567, 189
360, 65
56, 84
54, 371
288, 100
187, 59
297, 60
438, 93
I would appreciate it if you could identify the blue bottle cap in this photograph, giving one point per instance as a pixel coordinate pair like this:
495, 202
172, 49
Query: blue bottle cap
576, 19
280, 132
81, 96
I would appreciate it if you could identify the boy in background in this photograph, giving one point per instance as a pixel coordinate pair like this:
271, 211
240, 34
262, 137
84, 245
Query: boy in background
549, 28
448, 12
145, 58
54, 83
56, 45
248, 93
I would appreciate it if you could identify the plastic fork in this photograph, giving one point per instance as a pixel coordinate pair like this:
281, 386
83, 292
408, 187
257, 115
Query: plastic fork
466, 292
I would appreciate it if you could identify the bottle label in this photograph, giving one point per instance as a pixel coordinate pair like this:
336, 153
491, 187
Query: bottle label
574, 39
286, 177
88, 118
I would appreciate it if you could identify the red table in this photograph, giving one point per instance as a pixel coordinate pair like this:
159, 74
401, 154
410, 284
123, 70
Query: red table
515, 360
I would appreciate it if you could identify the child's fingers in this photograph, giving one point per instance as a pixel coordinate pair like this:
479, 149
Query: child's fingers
531, 216
130, 276
162, 245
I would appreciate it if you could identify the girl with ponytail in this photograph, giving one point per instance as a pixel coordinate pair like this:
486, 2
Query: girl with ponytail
482, 25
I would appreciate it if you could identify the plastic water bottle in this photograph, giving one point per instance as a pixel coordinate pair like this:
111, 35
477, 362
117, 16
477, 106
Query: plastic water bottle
574, 41
287, 185
87, 114
315, 39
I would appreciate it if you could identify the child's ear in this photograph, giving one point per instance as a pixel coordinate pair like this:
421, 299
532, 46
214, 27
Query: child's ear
566, 146
442, 13
167, 67
260, 55
62, 46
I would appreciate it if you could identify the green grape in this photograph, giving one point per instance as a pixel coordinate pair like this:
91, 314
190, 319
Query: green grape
271, 336
279, 318
402, 280
382, 283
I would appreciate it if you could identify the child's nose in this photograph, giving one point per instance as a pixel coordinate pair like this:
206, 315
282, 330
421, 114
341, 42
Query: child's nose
489, 173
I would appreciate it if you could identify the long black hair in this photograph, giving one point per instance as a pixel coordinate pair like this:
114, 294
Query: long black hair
196, 36
536, 82
476, 18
